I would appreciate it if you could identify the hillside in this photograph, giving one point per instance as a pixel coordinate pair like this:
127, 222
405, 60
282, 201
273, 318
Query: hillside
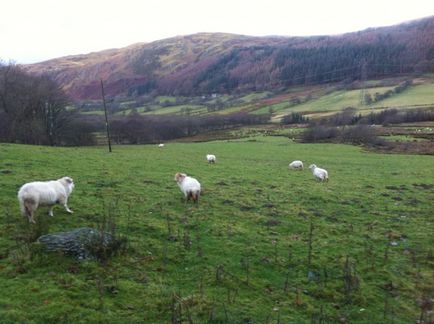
224, 63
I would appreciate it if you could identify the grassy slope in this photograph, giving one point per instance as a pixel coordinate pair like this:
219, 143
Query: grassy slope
252, 208
322, 103
338, 100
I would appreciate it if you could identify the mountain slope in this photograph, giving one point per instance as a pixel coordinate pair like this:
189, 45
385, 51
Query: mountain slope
208, 63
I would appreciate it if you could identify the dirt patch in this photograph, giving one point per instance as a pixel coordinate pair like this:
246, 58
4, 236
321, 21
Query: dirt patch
149, 182
423, 186
413, 202
421, 148
400, 188
272, 222
246, 207
269, 205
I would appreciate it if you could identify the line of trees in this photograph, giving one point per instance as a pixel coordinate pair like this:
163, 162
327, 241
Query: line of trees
138, 129
33, 110
335, 128
262, 68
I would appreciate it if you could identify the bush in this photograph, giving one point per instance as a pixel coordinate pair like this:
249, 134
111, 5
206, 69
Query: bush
360, 134
294, 118
320, 134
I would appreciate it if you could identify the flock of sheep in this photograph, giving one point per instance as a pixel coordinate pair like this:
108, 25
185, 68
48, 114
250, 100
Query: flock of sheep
49, 193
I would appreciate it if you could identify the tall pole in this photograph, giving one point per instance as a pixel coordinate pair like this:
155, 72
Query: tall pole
363, 77
106, 119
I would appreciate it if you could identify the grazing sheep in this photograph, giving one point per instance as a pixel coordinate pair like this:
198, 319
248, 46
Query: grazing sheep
189, 186
48, 193
210, 158
296, 165
161, 145
318, 173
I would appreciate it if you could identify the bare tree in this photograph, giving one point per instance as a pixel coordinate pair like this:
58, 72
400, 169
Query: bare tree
33, 108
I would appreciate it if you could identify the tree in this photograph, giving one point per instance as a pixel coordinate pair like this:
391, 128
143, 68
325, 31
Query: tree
34, 107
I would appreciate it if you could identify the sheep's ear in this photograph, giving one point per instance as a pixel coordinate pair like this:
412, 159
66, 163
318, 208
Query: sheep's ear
68, 179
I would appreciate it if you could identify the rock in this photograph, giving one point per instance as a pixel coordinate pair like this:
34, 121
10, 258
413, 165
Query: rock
82, 243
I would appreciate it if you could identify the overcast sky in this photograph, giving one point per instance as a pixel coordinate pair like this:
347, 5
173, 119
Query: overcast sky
38, 30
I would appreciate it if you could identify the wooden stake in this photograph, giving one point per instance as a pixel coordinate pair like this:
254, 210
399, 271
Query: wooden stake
106, 119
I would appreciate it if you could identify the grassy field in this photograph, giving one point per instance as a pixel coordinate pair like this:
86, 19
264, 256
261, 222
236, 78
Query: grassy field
315, 101
264, 245
416, 95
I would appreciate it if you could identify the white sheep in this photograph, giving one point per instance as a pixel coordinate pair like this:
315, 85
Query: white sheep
189, 186
318, 173
296, 165
211, 158
44, 193
161, 145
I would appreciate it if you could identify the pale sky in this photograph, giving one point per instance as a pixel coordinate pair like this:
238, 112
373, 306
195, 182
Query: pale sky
38, 30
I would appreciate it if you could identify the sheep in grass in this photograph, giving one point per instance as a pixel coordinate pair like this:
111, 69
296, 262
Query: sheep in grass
189, 186
296, 165
210, 158
318, 173
44, 193
161, 145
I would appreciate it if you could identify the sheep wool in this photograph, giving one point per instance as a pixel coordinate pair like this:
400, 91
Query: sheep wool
211, 158
296, 165
44, 193
189, 186
318, 173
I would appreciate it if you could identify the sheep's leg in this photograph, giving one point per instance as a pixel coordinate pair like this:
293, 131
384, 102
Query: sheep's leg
30, 216
30, 206
195, 197
31, 220
190, 196
64, 203
50, 211
67, 208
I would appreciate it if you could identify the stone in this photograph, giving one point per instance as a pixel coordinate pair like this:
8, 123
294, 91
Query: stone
81, 243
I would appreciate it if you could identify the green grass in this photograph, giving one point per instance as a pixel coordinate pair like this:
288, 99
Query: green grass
94, 112
403, 138
415, 96
253, 213
255, 96
194, 109
161, 99
420, 94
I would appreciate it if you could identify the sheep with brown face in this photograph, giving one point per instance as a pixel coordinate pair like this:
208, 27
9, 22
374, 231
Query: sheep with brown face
44, 193
189, 186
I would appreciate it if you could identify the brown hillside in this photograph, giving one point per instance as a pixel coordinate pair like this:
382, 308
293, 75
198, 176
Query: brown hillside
217, 62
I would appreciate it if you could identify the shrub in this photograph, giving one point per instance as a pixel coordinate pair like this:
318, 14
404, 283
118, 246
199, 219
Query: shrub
294, 118
320, 134
360, 134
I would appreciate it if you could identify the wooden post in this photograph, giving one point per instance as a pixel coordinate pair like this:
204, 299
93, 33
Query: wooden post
106, 119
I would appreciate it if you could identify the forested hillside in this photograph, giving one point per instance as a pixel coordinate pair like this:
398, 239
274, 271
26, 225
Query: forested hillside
223, 63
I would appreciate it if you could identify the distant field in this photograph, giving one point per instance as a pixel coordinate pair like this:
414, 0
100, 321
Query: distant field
337, 101
263, 245
193, 109
418, 95
421, 94
316, 100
